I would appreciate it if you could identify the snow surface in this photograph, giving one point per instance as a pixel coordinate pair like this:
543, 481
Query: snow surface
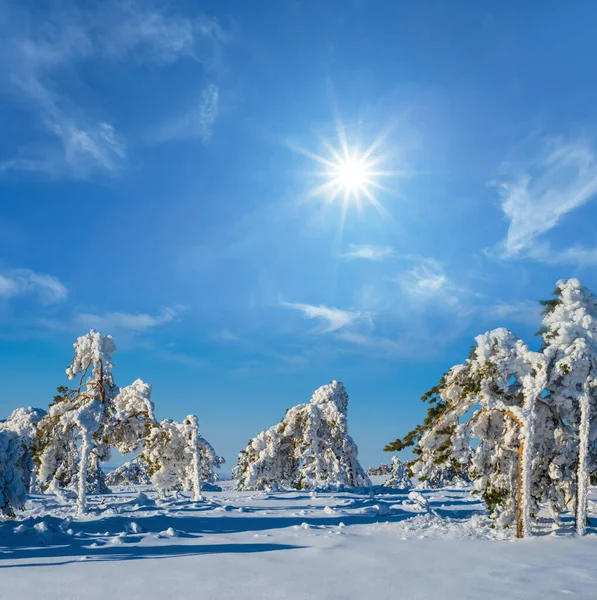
380, 543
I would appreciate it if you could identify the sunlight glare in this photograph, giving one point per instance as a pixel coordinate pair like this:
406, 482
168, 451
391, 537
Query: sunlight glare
350, 175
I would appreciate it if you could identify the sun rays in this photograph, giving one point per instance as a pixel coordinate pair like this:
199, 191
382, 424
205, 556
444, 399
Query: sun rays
351, 176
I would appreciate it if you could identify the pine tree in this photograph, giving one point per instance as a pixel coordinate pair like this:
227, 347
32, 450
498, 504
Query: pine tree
399, 478
310, 448
15, 472
84, 423
25, 422
570, 344
533, 415
132, 472
489, 399
172, 452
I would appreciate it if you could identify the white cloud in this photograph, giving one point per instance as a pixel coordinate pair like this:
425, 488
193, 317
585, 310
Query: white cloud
198, 122
575, 255
332, 319
134, 322
21, 282
427, 281
34, 55
208, 111
562, 179
368, 252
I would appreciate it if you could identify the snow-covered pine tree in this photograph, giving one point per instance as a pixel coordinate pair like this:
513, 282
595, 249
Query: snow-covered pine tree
383, 469
399, 478
24, 422
132, 472
310, 448
172, 452
443, 470
209, 461
129, 416
569, 334
15, 472
135, 471
494, 399
56, 451
84, 423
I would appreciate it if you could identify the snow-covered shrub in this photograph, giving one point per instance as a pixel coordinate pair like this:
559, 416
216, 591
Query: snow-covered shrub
173, 453
15, 472
399, 478
383, 469
133, 472
210, 461
310, 448
24, 422
131, 413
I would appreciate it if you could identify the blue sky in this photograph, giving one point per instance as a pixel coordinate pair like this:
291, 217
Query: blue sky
152, 187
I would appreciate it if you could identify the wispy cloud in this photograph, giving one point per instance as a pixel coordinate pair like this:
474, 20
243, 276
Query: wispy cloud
561, 179
428, 281
332, 319
35, 55
125, 326
377, 343
187, 360
225, 335
117, 321
526, 312
575, 255
19, 282
368, 252
198, 122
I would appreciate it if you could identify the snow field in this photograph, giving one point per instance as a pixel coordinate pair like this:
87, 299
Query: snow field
287, 545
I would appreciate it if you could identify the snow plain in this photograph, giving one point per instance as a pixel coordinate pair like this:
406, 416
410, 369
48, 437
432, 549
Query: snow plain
288, 545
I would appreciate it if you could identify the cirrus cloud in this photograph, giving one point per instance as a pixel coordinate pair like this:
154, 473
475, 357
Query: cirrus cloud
20, 282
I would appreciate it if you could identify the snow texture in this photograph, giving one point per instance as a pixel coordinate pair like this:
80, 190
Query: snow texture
399, 478
15, 472
309, 449
178, 458
290, 546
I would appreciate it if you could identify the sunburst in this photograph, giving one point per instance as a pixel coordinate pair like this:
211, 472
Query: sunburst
352, 175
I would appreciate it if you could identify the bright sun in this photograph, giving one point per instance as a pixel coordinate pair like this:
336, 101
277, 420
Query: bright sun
351, 176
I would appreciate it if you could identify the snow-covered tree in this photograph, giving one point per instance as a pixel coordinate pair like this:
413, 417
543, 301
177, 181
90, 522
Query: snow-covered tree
24, 422
84, 423
399, 478
570, 344
310, 448
383, 469
15, 472
136, 471
56, 451
209, 461
133, 472
524, 423
172, 452
490, 408
130, 416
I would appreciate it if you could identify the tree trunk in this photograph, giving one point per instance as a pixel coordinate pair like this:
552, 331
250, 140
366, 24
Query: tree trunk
582, 475
524, 473
196, 466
